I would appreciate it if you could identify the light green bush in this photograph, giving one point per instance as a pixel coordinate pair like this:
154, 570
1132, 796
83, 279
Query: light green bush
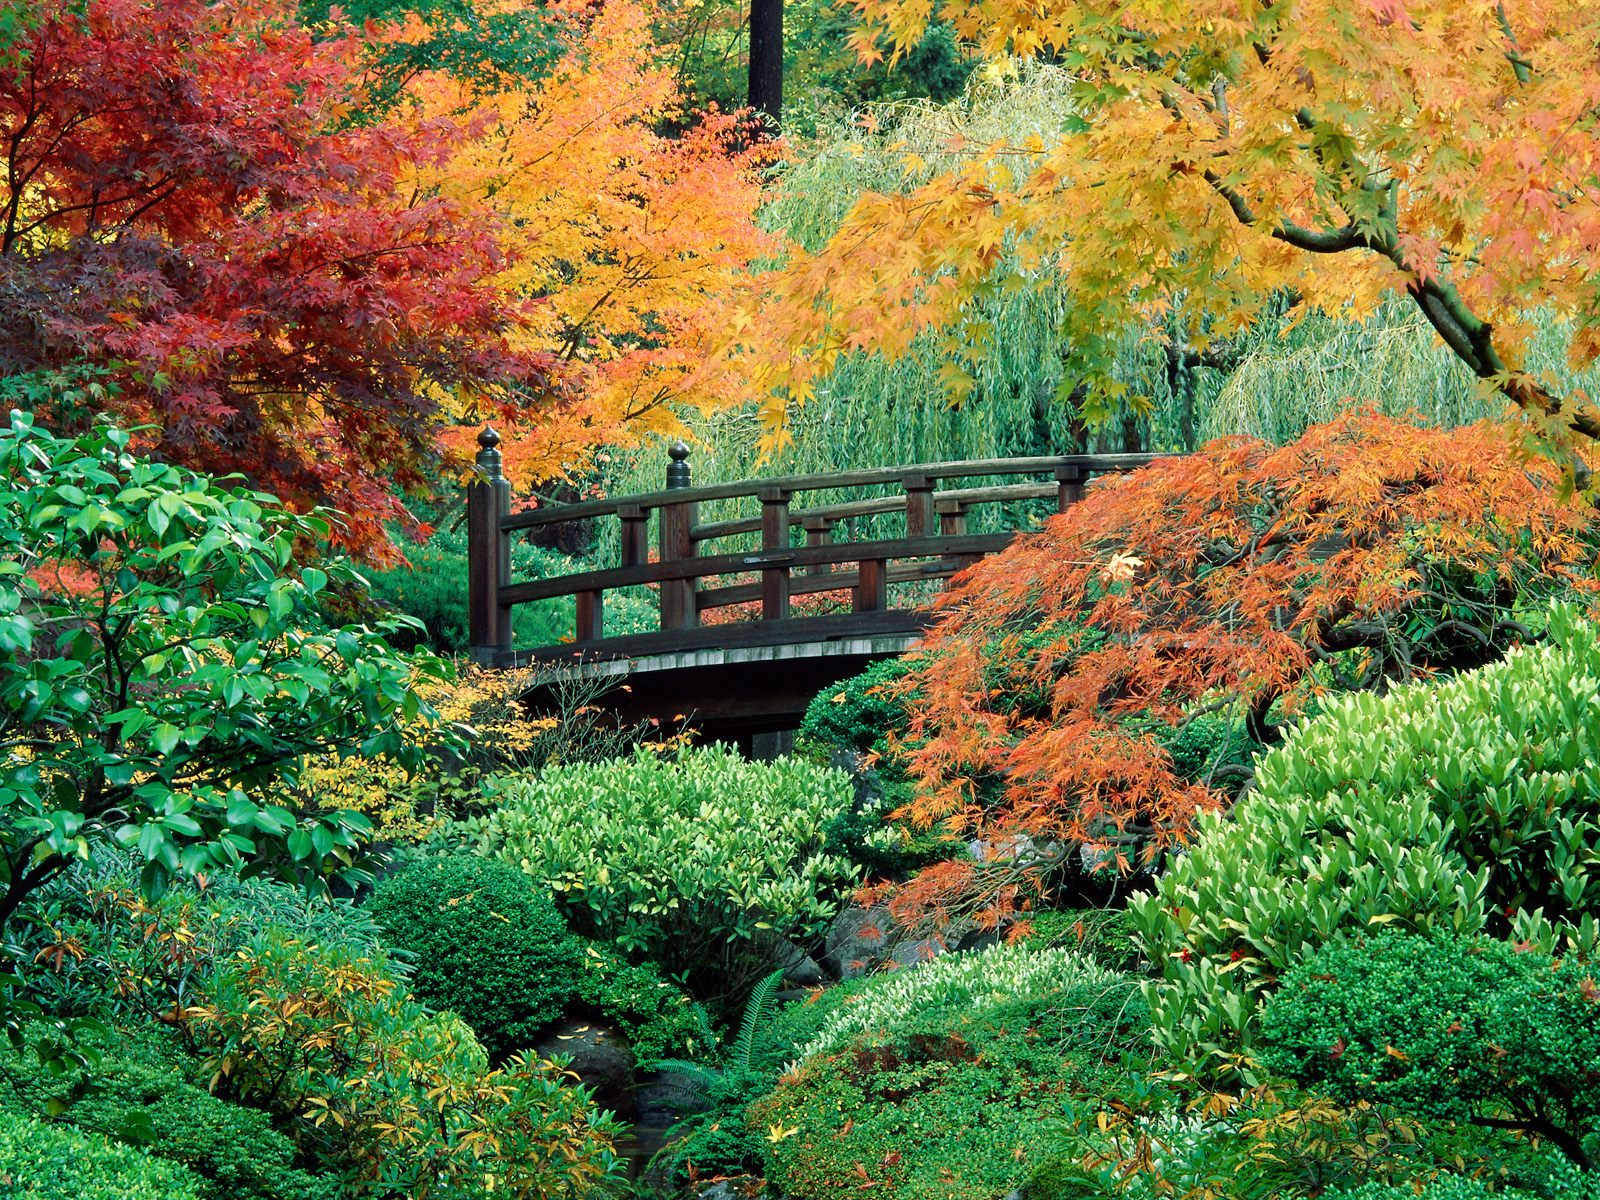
41, 1161
696, 860
974, 983
1457, 806
946, 1081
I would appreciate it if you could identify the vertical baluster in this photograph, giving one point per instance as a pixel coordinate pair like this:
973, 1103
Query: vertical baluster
488, 556
919, 505
774, 537
1069, 485
953, 523
819, 532
872, 586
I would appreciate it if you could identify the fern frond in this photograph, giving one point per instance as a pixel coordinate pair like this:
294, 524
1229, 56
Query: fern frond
757, 1012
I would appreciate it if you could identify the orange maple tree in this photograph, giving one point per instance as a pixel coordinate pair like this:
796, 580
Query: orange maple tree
1244, 580
1223, 154
629, 239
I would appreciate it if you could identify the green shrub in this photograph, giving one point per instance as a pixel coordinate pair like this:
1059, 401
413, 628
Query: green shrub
1443, 806
397, 1100
657, 1017
946, 1087
971, 984
484, 942
139, 960
694, 861
863, 711
41, 1161
1467, 1030
1443, 1187
139, 1092
1105, 934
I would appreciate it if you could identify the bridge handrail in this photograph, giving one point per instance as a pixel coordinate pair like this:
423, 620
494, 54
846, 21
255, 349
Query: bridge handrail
936, 545
1092, 463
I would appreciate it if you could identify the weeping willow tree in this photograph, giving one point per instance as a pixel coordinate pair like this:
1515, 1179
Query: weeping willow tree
994, 386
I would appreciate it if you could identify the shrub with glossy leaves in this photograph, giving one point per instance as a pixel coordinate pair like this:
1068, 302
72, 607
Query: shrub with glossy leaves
164, 664
1456, 1029
43, 1161
484, 941
695, 860
1446, 806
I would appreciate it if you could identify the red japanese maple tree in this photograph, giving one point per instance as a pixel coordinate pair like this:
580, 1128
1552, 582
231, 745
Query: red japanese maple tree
186, 197
1244, 579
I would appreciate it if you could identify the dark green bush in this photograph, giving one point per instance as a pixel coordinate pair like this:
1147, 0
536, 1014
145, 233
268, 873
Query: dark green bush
485, 942
1456, 1029
141, 1092
659, 1019
41, 1161
861, 712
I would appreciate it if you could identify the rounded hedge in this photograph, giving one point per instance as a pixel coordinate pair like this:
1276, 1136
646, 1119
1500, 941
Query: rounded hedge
43, 1161
485, 942
1458, 806
1449, 1028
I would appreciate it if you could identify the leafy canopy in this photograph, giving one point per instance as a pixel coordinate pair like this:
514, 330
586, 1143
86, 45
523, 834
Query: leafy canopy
1220, 155
1242, 580
192, 207
626, 221
164, 664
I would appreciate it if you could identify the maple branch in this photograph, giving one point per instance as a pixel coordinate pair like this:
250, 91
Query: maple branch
1520, 66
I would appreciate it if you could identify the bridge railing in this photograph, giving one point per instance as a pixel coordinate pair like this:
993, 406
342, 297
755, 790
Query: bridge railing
663, 544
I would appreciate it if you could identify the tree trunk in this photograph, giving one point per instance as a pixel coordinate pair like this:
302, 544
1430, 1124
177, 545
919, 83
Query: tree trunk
766, 59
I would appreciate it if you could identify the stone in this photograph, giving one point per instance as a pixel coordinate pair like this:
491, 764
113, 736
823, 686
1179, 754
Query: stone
600, 1057
799, 968
857, 941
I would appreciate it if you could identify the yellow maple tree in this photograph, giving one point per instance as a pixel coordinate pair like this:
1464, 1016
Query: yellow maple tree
1221, 154
627, 218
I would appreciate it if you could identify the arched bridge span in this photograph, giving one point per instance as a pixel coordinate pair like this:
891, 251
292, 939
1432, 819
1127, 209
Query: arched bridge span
759, 611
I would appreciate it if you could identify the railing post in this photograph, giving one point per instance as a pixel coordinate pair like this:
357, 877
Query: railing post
819, 532
872, 585
1069, 485
488, 556
919, 505
774, 536
678, 608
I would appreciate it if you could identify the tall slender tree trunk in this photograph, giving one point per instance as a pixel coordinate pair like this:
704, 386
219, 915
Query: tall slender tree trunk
766, 58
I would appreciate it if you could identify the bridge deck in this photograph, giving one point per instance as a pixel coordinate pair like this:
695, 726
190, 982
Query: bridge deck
750, 676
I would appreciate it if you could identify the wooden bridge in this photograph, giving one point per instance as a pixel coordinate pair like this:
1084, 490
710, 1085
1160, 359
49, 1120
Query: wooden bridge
750, 678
